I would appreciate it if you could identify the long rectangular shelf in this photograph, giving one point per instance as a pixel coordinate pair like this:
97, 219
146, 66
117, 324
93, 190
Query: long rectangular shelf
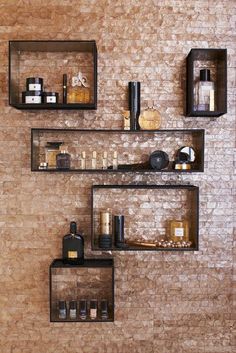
133, 147
147, 210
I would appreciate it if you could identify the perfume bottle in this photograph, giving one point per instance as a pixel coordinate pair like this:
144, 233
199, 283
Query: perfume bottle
104, 160
94, 160
83, 160
79, 91
105, 238
51, 151
205, 92
63, 159
134, 105
115, 161
179, 230
73, 246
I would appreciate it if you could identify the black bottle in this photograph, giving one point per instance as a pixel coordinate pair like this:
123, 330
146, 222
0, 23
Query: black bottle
134, 105
73, 246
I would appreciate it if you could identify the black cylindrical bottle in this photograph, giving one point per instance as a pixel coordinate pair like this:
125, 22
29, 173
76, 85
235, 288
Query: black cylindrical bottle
134, 104
73, 246
119, 230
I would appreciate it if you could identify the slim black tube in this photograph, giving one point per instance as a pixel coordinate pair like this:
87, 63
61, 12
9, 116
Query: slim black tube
134, 104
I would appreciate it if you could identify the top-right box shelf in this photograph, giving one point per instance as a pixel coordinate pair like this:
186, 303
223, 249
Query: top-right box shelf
206, 91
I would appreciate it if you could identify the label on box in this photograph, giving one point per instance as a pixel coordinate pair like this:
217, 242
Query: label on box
51, 99
34, 87
72, 254
32, 99
179, 232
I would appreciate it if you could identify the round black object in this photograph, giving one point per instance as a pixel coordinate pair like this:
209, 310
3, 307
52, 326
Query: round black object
159, 160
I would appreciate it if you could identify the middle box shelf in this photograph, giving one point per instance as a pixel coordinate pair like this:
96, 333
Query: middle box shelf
145, 217
97, 151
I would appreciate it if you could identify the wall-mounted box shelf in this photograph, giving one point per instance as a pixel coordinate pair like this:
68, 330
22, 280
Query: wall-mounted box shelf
214, 60
50, 60
147, 210
133, 148
92, 280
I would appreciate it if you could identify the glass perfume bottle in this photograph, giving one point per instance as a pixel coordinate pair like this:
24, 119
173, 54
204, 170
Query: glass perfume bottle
178, 230
83, 160
73, 246
79, 92
205, 92
94, 160
104, 160
51, 151
63, 159
104, 309
115, 160
83, 309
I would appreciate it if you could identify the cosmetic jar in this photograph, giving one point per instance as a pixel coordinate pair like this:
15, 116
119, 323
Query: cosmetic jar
50, 97
32, 97
34, 84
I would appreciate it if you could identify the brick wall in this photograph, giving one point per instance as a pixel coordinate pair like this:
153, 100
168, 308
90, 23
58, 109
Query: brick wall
165, 302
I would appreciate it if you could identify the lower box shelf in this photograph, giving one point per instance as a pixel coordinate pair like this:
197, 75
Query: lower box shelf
82, 293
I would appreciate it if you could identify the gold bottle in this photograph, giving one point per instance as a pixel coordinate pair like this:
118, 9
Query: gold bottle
79, 91
178, 230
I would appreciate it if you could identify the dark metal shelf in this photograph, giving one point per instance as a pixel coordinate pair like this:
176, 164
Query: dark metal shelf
51, 106
121, 170
59, 263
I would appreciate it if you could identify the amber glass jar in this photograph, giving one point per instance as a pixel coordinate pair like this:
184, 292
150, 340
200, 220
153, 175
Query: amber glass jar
179, 230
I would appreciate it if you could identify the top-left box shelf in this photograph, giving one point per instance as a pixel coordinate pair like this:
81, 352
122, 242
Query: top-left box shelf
50, 60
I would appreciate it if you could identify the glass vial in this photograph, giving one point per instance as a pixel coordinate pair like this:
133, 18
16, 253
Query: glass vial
83, 160
94, 160
73, 309
62, 309
205, 92
104, 160
93, 309
115, 161
83, 309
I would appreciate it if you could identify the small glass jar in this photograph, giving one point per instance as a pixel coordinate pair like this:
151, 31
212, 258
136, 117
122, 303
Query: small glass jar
83, 309
179, 230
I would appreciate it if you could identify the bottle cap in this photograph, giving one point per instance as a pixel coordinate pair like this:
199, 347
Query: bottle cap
205, 75
73, 304
73, 228
62, 304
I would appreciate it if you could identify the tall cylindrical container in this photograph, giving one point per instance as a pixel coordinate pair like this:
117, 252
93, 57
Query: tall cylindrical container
134, 104
119, 230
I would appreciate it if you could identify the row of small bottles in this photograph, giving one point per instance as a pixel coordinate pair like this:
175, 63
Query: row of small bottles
87, 309
57, 156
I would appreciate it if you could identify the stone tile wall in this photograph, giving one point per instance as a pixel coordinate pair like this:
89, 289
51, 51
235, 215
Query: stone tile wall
165, 302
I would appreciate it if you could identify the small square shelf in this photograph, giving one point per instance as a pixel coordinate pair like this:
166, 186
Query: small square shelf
92, 280
214, 60
147, 210
50, 60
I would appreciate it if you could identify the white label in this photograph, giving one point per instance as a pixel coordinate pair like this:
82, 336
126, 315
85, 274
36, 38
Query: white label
50, 99
32, 99
179, 232
34, 87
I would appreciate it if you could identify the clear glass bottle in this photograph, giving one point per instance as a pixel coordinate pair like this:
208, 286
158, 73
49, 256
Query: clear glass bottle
205, 92
94, 160
63, 159
73, 246
104, 160
179, 230
115, 160
51, 151
83, 160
